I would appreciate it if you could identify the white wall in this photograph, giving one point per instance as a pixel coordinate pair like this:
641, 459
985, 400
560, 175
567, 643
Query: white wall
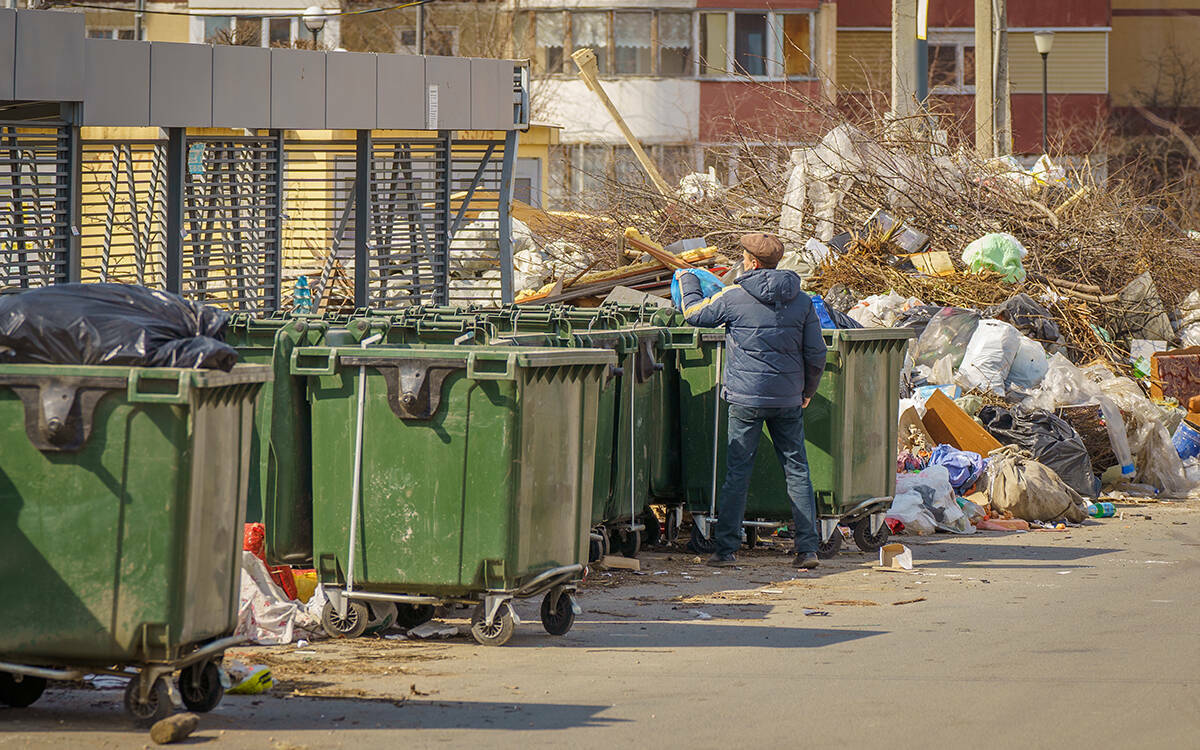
656, 110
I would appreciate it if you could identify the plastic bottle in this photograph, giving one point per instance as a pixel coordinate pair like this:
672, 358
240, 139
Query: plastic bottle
1102, 510
1116, 435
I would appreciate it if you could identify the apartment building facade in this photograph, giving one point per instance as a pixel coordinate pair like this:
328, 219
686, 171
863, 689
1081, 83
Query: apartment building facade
1078, 65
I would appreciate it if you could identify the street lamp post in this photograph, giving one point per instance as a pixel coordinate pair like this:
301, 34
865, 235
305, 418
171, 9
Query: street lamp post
922, 51
314, 21
1044, 41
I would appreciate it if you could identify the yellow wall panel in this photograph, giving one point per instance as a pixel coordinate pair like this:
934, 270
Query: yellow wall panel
1078, 63
1155, 60
864, 60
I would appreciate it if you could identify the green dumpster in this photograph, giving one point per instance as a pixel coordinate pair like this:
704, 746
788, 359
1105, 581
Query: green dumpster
123, 492
281, 447
621, 497
850, 430
465, 473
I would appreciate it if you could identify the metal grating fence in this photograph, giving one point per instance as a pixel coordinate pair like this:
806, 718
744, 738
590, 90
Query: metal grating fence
407, 246
318, 227
252, 214
232, 222
124, 195
35, 204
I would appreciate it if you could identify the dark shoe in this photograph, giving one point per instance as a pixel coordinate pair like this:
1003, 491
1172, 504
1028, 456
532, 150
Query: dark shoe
806, 560
722, 561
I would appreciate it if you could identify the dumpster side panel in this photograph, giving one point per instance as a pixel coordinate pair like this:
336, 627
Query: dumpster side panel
412, 484
222, 426
549, 504
490, 478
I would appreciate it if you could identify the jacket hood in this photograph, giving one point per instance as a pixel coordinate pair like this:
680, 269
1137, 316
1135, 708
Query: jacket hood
771, 286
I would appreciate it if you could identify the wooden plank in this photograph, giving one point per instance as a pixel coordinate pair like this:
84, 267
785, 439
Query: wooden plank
948, 424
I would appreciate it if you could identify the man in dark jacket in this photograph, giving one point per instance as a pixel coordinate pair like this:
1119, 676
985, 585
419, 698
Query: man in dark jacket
776, 355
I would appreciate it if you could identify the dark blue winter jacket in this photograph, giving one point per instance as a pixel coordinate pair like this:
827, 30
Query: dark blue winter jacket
775, 351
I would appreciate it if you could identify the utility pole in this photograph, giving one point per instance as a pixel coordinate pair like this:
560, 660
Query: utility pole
993, 119
421, 29
904, 58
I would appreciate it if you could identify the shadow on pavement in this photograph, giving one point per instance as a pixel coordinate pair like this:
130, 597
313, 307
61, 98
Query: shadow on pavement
312, 713
967, 555
686, 634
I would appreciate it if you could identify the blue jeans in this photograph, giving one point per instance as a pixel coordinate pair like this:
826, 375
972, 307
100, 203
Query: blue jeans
787, 432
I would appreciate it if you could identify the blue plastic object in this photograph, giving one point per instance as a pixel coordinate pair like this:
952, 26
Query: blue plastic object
1187, 441
709, 285
823, 312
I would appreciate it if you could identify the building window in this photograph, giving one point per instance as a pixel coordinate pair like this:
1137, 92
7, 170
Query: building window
714, 40
951, 64
279, 32
631, 44
795, 44
675, 44
750, 43
112, 34
216, 27
761, 45
248, 31
550, 31
591, 30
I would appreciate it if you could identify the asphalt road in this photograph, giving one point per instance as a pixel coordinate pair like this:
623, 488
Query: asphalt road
1082, 639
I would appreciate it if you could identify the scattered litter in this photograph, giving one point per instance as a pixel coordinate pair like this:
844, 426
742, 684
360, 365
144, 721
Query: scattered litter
700, 615
433, 630
850, 603
248, 679
816, 613
620, 563
660, 572
771, 591
895, 556
909, 601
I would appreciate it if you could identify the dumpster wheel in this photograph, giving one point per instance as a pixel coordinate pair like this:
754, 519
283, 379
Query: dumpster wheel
200, 686
157, 705
409, 616
558, 618
631, 543
350, 626
19, 690
496, 634
866, 541
829, 548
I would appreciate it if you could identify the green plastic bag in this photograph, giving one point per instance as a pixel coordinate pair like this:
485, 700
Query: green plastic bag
1000, 252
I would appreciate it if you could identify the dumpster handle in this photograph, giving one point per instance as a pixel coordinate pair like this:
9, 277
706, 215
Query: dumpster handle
634, 526
509, 372
712, 505
356, 489
182, 380
326, 368
683, 339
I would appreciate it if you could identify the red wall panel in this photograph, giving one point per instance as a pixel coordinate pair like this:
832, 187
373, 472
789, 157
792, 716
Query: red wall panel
725, 103
960, 13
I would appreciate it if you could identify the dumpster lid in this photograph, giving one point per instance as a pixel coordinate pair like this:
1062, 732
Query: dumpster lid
519, 356
197, 378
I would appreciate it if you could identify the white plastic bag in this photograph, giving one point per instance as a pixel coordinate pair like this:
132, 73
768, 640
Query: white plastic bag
909, 509
937, 496
881, 310
1029, 366
989, 356
1189, 320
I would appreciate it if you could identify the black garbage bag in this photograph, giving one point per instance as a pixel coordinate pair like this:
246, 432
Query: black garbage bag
112, 324
1028, 317
1051, 440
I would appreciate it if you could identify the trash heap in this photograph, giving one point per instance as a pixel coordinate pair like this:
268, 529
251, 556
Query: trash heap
1057, 358
1030, 395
